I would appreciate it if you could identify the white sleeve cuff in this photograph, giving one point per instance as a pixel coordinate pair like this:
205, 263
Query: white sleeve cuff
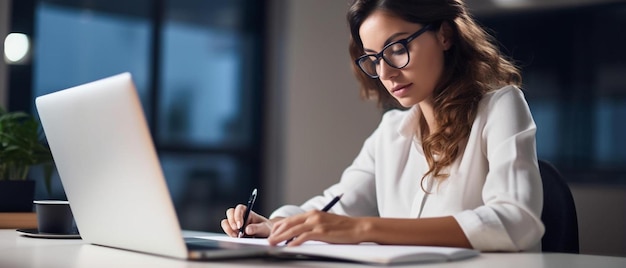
287, 211
483, 231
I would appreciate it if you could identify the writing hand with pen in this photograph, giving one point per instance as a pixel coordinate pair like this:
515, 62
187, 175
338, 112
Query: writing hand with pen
316, 225
242, 221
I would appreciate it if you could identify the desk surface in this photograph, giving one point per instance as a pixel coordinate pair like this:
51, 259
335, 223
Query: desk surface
19, 251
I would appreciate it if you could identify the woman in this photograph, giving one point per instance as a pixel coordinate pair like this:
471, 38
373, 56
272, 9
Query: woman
458, 168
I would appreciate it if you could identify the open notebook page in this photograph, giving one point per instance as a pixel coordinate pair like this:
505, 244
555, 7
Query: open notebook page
253, 241
366, 252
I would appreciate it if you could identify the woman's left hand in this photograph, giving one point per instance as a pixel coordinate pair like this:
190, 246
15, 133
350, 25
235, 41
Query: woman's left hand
319, 226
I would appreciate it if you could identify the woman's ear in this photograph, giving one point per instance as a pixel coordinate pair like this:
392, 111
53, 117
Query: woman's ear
445, 36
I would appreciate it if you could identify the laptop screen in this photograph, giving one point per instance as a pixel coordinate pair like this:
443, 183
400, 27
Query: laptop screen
109, 168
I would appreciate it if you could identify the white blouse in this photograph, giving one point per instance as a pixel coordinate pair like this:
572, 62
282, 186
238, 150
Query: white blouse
494, 190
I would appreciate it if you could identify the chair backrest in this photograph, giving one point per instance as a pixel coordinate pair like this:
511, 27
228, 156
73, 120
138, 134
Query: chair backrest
559, 212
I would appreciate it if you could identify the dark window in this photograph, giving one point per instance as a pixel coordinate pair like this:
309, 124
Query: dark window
197, 67
574, 66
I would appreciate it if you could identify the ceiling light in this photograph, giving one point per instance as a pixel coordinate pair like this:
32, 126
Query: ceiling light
16, 47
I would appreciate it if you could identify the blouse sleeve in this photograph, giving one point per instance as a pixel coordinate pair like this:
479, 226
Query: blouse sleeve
512, 194
357, 185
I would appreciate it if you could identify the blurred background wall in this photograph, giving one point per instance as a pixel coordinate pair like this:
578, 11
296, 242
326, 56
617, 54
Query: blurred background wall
4, 28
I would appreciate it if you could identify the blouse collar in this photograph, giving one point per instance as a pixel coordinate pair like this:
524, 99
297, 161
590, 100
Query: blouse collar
409, 126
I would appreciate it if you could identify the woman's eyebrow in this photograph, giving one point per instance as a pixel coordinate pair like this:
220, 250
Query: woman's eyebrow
389, 40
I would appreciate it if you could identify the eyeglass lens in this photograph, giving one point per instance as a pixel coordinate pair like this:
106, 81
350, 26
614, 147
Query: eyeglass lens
395, 55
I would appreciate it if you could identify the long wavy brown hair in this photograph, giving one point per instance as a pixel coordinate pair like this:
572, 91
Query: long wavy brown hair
472, 66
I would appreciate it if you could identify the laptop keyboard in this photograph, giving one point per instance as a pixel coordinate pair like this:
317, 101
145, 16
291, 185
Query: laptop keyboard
201, 246
200, 249
207, 244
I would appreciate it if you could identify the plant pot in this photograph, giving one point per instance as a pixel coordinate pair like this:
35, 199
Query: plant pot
17, 196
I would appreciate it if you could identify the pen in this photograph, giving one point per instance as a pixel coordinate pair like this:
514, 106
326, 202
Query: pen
242, 230
325, 209
332, 203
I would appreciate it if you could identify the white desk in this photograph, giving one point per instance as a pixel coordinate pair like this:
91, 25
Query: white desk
19, 251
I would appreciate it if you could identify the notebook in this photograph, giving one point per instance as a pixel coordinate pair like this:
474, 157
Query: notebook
110, 171
368, 253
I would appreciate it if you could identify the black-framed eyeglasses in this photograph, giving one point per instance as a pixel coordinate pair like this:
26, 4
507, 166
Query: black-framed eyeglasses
395, 54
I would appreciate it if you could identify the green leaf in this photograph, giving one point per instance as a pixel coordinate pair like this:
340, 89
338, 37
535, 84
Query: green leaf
22, 146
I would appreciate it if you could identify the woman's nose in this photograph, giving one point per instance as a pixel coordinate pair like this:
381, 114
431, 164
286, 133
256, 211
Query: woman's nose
385, 71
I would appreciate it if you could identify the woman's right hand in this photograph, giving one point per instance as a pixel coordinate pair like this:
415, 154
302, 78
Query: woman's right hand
257, 226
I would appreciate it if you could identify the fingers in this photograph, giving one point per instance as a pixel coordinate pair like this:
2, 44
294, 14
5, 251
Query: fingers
257, 225
288, 228
314, 225
238, 215
259, 229
303, 237
229, 224
228, 228
234, 220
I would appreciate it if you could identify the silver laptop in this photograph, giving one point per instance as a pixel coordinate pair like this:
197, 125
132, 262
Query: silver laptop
111, 174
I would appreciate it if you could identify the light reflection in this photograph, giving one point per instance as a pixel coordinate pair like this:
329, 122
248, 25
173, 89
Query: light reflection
16, 47
511, 3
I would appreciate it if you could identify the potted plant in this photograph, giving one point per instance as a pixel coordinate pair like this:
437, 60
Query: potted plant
21, 148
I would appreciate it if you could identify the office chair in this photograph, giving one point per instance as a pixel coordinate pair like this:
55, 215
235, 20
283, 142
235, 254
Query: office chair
559, 212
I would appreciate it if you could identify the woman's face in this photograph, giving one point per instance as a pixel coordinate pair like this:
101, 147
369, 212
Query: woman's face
414, 83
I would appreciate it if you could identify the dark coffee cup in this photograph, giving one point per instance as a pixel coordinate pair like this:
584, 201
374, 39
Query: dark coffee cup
54, 217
